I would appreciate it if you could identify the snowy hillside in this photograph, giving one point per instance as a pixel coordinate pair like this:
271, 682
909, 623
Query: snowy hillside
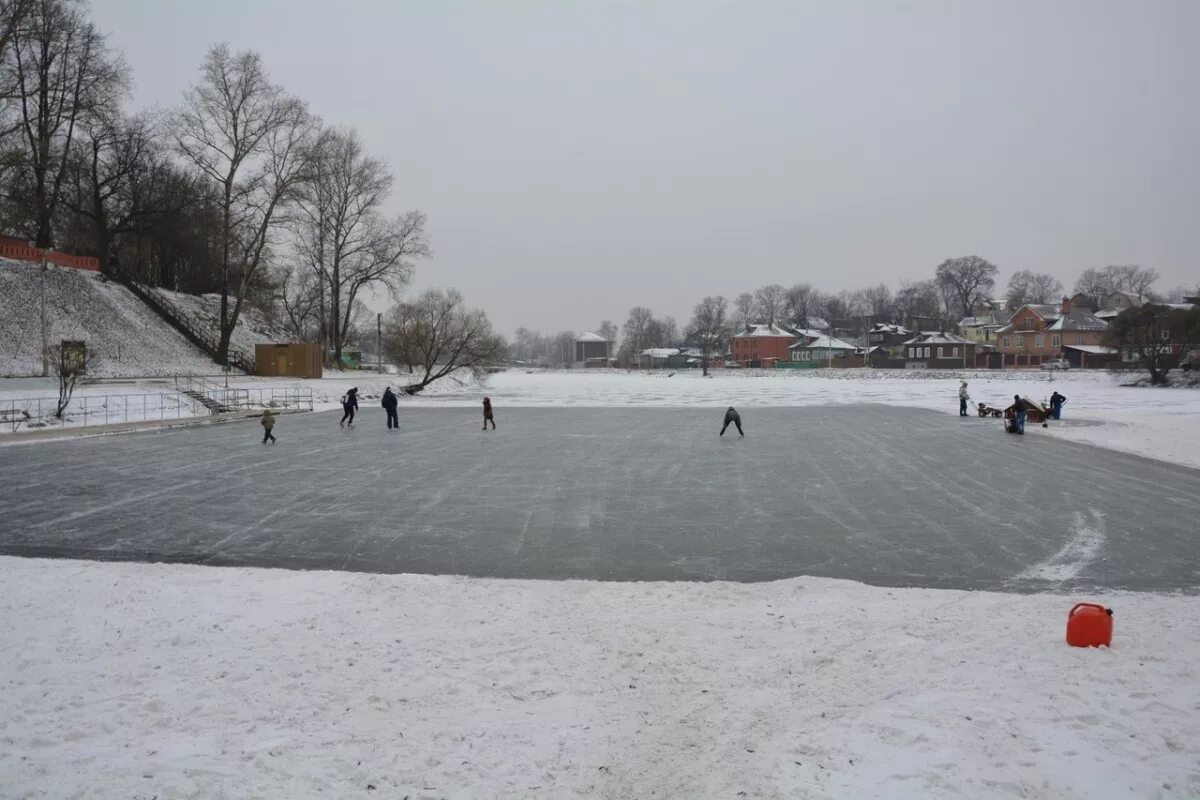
129, 337
204, 312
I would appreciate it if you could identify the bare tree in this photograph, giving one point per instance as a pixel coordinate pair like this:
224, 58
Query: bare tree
970, 279
743, 309
609, 331
798, 305
1149, 331
709, 328
69, 362
341, 232
1026, 286
769, 303
254, 142
637, 328
1095, 285
920, 300
1136, 280
877, 301
60, 73
439, 335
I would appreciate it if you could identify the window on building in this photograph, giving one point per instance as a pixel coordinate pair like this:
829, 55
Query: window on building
1079, 338
926, 352
1020, 341
1039, 341
941, 351
954, 352
1007, 342
1054, 340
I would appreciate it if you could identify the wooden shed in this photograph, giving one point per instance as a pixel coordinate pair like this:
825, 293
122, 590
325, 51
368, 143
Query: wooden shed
288, 360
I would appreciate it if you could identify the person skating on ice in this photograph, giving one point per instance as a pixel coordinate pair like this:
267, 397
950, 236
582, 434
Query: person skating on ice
268, 423
349, 406
488, 416
731, 415
389, 405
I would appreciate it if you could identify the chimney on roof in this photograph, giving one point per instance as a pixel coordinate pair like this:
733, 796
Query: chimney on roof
1066, 305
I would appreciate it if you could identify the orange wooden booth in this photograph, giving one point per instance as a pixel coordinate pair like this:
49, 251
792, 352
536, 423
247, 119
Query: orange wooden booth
288, 360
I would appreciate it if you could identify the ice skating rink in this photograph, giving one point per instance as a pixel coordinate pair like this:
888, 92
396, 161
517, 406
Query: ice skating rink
889, 496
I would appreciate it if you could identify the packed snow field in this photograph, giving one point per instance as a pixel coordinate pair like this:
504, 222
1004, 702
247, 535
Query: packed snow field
129, 680
143, 680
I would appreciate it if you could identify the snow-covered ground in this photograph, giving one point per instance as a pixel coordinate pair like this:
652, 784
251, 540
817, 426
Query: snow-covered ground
127, 680
135, 680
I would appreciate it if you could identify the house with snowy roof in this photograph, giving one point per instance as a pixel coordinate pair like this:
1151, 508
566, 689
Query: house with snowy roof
982, 328
591, 348
759, 344
939, 350
821, 348
888, 337
1039, 332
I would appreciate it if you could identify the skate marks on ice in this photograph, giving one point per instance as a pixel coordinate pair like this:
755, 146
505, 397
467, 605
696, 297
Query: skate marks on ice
1081, 549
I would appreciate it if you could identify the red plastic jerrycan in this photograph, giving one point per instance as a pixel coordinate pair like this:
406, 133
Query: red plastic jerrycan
1089, 625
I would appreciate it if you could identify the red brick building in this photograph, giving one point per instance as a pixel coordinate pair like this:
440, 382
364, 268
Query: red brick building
759, 343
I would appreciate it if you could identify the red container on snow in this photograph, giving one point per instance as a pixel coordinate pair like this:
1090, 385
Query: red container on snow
1089, 625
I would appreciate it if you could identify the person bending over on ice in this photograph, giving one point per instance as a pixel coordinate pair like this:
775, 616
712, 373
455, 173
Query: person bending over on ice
487, 413
731, 415
349, 405
268, 423
963, 397
1056, 404
389, 405
1019, 405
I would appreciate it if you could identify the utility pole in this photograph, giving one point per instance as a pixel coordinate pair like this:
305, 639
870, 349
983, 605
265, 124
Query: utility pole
45, 343
379, 340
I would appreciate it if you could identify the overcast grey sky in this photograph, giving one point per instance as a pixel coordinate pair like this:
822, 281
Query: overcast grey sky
577, 158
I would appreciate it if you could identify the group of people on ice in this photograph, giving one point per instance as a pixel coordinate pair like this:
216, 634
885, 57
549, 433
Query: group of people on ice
390, 402
1016, 414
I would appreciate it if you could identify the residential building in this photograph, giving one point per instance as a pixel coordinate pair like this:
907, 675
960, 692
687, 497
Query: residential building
982, 328
758, 343
939, 350
1039, 332
888, 337
821, 348
590, 347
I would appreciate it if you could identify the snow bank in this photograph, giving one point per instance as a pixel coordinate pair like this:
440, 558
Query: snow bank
181, 681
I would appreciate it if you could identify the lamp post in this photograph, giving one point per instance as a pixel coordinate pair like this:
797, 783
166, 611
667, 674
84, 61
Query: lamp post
45, 343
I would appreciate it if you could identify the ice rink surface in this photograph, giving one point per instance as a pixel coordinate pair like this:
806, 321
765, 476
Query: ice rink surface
888, 496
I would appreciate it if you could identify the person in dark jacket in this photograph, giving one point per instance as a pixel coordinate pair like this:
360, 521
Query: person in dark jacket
1056, 404
268, 423
1019, 407
349, 405
389, 405
731, 415
487, 413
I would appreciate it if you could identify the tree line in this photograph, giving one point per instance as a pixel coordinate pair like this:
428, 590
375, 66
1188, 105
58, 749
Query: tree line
959, 287
239, 189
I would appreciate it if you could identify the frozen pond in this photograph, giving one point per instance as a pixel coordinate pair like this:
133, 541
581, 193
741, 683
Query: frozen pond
889, 496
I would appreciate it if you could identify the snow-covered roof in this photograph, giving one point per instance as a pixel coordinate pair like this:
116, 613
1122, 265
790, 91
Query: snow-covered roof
588, 336
823, 343
939, 338
1078, 320
883, 327
762, 329
661, 352
1093, 349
